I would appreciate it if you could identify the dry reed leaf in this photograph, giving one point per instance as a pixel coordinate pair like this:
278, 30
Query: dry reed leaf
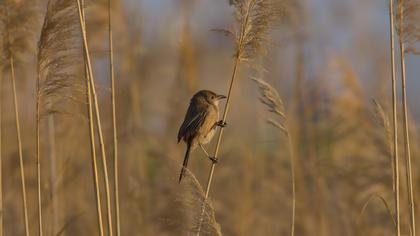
384, 203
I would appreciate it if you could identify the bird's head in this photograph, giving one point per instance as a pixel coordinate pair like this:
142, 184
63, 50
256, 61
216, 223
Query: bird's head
209, 97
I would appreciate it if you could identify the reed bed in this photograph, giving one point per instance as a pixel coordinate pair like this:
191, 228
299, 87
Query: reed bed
99, 88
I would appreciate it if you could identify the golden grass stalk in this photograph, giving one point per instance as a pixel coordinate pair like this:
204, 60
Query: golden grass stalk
1, 156
114, 120
38, 162
255, 19
1, 130
408, 32
97, 115
19, 140
394, 123
92, 142
271, 98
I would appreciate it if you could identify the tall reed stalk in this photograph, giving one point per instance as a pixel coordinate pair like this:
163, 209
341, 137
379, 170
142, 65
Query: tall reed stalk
404, 8
97, 115
1, 156
53, 174
255, 19
19, 140
92, 139
38, 162
394, 122
93, 155
114, 120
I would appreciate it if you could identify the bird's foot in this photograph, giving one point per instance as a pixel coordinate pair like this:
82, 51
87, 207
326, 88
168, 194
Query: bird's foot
221, 123
214, 160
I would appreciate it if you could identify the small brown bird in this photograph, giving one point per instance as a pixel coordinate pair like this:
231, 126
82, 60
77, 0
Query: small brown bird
200, 123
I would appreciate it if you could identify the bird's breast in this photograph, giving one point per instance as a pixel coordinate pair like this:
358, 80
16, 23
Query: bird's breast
209, 127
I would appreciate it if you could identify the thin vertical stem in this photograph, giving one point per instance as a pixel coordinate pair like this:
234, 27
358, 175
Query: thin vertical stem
405, 124
394, 121
98, 119
38, 162
19, 140
114, 120
92, 143
93, 154
53, 173
292, 172
219, 139
1, 157
237, 60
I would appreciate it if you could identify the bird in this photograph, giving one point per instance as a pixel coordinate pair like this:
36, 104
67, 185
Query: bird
200, 123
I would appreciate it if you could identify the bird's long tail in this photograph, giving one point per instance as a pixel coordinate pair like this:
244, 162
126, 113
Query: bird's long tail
184, 165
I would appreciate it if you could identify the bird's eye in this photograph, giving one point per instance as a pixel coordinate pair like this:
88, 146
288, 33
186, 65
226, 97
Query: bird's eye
212, 97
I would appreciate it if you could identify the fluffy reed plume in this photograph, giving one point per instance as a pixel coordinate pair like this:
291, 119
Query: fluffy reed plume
193, 200
383, 120
408, 27
17, 18
271, 98
254, 20
114, 120
94, 101
394, 123
58, 63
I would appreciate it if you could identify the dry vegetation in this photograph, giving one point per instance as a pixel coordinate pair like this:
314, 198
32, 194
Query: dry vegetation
91, 99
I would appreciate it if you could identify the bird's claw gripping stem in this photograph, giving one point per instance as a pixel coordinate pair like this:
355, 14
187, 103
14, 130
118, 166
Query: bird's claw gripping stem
214, 160
221, 123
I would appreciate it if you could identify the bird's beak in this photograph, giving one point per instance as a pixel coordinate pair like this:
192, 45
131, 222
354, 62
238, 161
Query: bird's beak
220, 97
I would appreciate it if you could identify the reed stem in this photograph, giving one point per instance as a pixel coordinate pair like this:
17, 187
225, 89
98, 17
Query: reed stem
98, 119
38, 161
219, 140
19, 140
92, 135
1, 156
292, 172
114, 119
394, 122
407, 149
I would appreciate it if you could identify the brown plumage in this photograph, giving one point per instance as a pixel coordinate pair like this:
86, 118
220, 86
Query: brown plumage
199, 123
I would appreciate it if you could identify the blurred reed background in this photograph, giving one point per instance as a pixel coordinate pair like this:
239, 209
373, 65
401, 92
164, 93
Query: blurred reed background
329, 64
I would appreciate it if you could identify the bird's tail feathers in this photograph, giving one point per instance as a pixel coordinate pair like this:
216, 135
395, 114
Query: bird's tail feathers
184, 165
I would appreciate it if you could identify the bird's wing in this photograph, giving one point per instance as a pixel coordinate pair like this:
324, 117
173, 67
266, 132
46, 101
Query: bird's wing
193, 120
